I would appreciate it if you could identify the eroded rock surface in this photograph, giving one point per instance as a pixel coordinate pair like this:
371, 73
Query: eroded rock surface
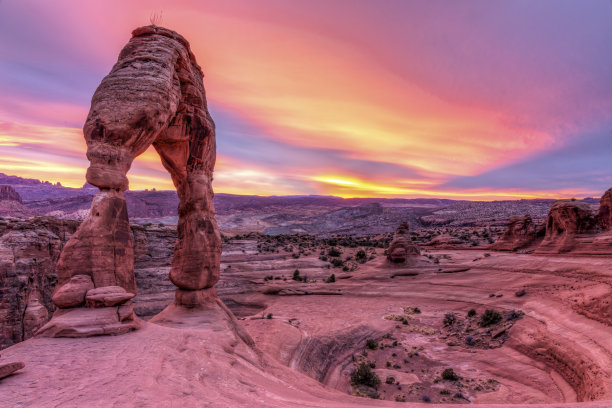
154, 95
604, 217
520, 233
402, 249
72, 294
7, 369
29, 250
8, 193
566, 220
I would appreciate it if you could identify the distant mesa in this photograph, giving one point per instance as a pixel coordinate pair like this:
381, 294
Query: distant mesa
402, 249
8, 193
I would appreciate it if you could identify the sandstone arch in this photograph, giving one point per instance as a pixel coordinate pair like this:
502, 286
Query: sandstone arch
154, 95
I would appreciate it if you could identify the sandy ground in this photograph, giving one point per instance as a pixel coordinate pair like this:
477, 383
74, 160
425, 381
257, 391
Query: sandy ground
558, 353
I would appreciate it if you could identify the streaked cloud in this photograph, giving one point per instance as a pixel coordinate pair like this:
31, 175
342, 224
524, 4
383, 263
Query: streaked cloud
478, 99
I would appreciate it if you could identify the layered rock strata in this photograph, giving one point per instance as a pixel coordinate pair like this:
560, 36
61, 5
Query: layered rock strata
604, 216
566, 221
8, 193
402, 249
154, 95
521, 232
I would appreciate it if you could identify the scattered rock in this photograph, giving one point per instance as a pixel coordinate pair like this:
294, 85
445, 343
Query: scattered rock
87, 322
454, 270
7, 369
72, 293
107, 296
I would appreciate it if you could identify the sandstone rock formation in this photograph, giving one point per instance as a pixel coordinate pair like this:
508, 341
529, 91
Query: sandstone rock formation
154, 95
29, 250
402, 249
604, 217
520, 233
566, 220
8, 193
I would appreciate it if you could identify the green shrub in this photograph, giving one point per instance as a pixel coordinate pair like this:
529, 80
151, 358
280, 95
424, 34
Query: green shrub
390, 380
450, 375
334, 252
331, 279
336, 262
363, 375
472, 312
296, 276
449, 319
490, 317
360, 255
371, 344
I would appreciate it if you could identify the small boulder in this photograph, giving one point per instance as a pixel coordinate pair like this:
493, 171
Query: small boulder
107, 296
72, 293
7, 369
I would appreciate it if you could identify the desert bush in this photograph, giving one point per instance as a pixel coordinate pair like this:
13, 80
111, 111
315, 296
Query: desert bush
336, 262
449, 374
390, 380
331, 279
371, 344
363, 375
334, 252
449, 319
472, 312
296, 276
490, 317
361, 255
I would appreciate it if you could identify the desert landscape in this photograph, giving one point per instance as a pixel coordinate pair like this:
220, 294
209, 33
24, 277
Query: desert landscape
369, 295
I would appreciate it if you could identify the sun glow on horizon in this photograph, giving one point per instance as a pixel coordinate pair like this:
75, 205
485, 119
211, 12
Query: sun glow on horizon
426, 101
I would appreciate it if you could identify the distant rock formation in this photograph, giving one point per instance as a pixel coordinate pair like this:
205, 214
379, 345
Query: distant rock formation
402, 249
604, 217
8, 193
154, 95
520, 233
566, 220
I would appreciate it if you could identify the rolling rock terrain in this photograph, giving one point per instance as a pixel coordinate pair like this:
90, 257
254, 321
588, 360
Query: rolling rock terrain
512, 328
307, 314
408, 322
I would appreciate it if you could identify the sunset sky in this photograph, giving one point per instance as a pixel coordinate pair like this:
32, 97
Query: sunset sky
456, 99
